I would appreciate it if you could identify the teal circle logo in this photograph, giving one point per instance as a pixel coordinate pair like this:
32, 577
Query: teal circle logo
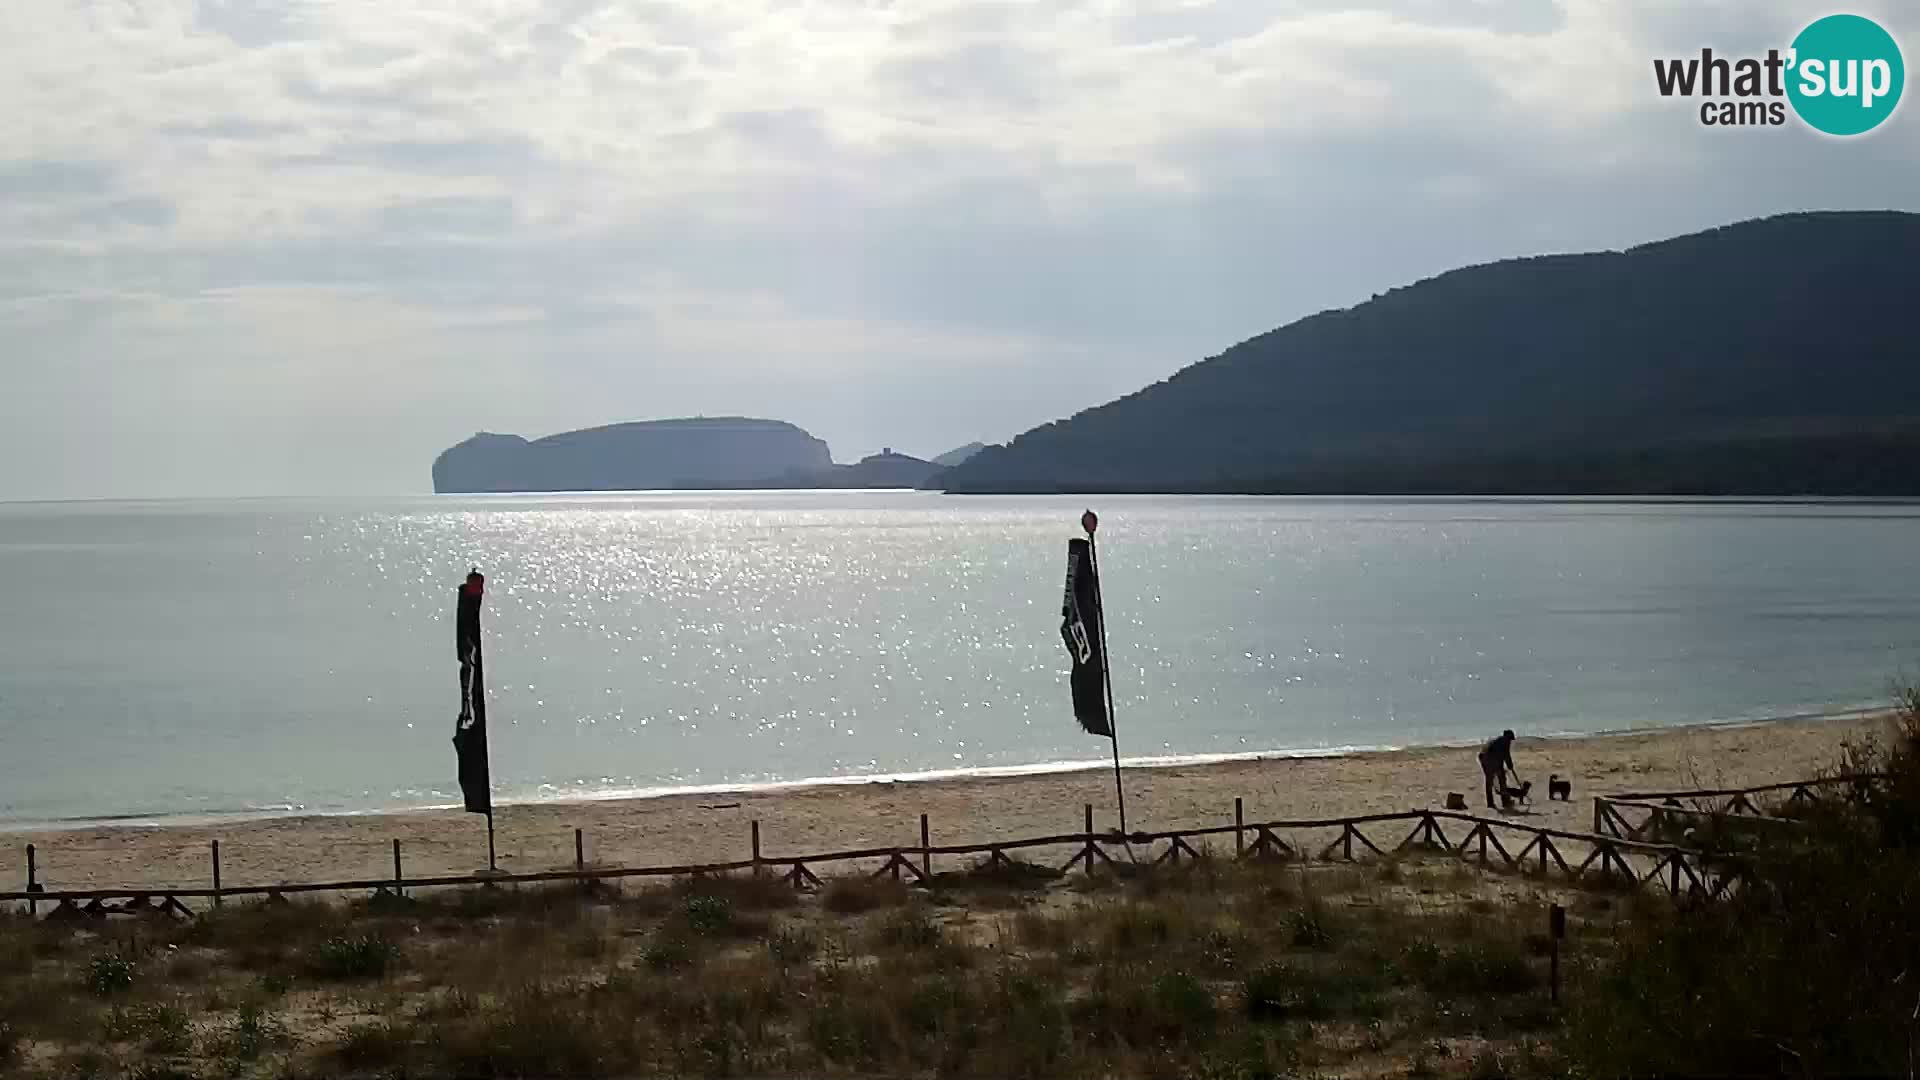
1846, 75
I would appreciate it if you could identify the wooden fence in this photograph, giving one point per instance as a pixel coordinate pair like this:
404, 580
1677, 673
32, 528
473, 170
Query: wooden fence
1494, 843
1645, 816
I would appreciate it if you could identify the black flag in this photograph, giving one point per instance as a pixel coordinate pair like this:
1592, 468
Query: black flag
1080, 626
470, 731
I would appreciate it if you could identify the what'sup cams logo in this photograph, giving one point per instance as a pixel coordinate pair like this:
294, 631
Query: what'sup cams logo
1842, 75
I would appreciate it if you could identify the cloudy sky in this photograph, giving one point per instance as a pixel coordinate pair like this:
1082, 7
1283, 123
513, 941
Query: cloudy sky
300, 246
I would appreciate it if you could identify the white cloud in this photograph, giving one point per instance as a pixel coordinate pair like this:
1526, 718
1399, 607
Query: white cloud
673, 102
667, 199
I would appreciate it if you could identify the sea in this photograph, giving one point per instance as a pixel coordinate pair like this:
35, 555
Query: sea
186, 660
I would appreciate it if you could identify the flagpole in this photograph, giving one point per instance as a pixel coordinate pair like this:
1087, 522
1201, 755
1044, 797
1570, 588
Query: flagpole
479, 690
1091, 523
479, 678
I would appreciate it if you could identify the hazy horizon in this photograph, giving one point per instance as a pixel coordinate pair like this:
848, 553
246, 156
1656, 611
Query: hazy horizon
302, 248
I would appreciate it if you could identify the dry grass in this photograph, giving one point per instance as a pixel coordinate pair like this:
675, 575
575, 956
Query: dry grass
1212, 969
1808, 970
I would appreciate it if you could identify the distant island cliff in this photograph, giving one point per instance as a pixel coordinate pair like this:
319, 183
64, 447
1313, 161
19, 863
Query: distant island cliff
702, 452
885, 469
1772, 357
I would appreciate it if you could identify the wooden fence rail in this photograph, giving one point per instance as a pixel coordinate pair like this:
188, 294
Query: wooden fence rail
1633, 820
1647, 813
1491, 842
1803, 788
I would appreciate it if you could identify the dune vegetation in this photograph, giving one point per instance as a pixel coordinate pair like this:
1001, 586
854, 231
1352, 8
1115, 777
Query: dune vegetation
1212, 968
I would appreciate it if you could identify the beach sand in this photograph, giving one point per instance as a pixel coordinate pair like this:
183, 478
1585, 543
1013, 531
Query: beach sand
680, 829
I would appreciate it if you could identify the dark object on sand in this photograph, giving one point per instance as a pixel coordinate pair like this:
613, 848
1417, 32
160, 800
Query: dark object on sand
1559, 789
1456, 801
1511, 796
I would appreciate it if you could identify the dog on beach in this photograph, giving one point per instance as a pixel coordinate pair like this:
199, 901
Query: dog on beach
1512, 796
1456, 801
1559, 789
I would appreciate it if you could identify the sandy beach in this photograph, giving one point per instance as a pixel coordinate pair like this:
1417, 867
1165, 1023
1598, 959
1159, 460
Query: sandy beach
680, 829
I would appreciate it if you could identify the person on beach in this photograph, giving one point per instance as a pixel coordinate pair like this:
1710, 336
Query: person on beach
1496, 763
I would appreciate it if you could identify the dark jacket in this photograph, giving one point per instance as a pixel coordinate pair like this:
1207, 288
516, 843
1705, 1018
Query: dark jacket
1498, 753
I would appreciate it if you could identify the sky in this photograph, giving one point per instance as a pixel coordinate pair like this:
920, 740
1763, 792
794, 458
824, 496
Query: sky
266, 247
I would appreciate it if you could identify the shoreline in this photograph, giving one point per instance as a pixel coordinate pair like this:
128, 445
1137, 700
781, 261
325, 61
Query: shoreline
982, 773
690, 828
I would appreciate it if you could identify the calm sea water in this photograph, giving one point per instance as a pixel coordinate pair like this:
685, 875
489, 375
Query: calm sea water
194, 658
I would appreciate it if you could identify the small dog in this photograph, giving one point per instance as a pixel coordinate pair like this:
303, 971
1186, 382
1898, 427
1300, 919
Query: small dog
1456, 801
1511, 795
1559, 789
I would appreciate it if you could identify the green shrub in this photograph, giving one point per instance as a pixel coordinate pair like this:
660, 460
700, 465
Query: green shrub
1283, 991
857, 1026
1487, 966
165, 1029
1182, 1006
1254, 1055
743, 892
250, 1034
790, 946
1273, 993
359, 956
1807, 968
668, 951
1524, 1061
1031, 1022
910, 928
937, 1003
1221, 950
533, 1032
109, 974
161, 1070
1420, 957
1310, 927
708, 914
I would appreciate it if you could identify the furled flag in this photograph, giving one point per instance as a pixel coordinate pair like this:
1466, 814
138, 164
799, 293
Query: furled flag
1080, 626
470, 731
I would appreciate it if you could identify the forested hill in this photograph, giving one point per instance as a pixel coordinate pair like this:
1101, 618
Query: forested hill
1779, 356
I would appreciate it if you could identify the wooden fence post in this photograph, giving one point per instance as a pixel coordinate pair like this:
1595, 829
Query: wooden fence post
579, 851
33, 883
1556, 929
926, 849
398, 877
1239, 827
216, 872
1089, 852
758, 870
